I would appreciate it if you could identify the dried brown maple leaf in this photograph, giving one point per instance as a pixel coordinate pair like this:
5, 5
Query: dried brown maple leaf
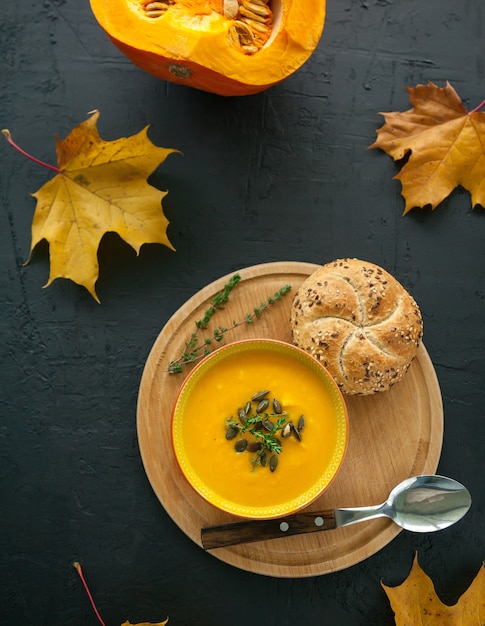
100, 187
445, 144
415, 602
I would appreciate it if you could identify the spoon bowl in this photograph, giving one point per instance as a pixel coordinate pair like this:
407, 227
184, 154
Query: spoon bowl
428, 503
421, 504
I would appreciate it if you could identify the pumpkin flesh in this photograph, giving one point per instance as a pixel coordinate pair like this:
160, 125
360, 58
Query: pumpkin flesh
192, 42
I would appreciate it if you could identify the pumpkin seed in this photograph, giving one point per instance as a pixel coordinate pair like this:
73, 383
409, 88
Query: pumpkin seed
253, 446
247, 408
231, 433
241, 33
273, 462
263, 459
251, 24
230, 8
251, 49
301, 423
241, 413
268, 425
156, 13
233, 37
262, 406
155, 9
255, 26
277, 408
241, 445
252, 15
286, 432
259, 396
259, 9
295, 431
153, 6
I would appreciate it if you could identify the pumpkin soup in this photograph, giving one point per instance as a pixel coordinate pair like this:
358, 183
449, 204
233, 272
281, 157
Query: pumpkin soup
208, 405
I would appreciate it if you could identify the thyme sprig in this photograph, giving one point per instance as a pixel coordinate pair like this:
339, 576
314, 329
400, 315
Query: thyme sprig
218, 302
196, 349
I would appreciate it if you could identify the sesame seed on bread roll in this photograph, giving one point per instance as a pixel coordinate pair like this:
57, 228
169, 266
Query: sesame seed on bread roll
359, 322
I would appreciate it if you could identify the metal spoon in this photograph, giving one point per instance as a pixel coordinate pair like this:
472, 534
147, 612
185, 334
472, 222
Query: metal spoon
420, 504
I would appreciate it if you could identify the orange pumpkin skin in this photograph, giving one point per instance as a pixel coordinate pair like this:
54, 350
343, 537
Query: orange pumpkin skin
190, 43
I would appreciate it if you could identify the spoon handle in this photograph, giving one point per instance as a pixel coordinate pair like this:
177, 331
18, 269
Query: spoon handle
258, 530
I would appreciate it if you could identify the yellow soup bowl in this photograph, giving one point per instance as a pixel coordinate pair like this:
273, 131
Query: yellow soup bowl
283, 467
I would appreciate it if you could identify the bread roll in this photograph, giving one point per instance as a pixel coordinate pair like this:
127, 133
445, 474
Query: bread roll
360, 322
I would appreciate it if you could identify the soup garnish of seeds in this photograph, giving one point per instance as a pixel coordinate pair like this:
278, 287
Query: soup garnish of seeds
259, 432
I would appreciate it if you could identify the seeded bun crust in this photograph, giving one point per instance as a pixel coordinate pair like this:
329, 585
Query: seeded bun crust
360, 322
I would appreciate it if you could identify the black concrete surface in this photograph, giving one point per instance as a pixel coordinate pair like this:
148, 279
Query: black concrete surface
282, 175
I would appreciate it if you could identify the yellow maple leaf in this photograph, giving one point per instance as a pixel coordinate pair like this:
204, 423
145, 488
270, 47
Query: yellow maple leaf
445, 144
415, 602
100, 187
145, 623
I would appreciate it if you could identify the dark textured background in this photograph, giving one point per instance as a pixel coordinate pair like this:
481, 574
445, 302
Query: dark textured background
283, 175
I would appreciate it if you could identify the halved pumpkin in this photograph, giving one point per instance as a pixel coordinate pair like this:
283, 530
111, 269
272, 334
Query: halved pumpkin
228, 47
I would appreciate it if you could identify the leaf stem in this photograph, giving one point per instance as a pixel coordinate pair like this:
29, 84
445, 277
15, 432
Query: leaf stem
81, 576
8, 136
477, 108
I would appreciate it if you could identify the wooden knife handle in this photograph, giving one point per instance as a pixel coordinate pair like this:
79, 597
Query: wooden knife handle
260, 530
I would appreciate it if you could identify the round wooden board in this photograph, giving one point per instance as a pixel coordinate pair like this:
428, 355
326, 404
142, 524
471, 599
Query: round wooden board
392, 436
